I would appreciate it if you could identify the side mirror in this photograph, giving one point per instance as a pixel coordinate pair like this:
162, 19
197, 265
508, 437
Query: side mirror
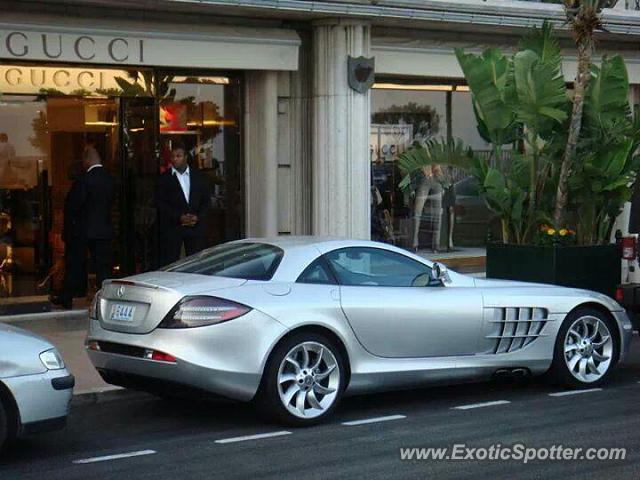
441, 273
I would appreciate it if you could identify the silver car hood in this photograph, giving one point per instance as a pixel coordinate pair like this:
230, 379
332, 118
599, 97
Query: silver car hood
492, 282
20, 352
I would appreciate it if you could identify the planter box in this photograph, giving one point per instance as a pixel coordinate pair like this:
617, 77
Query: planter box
594, 268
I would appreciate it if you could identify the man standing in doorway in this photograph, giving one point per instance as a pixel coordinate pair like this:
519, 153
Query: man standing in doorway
182, 197
91, 207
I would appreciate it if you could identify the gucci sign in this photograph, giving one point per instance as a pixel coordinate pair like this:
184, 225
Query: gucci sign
27, 45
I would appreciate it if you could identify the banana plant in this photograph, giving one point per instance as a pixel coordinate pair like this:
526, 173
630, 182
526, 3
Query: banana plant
521, 100
585, 19
450, 152
600, 187
602, 182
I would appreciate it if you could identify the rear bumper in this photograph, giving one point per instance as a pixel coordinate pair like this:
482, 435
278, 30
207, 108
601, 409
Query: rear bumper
42, 400
225, 359
626, 332
631, 302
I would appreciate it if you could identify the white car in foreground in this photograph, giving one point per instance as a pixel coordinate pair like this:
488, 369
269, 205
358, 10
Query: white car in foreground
35, 386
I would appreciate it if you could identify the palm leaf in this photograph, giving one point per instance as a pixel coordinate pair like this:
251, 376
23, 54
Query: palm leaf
451, 152
607, 98
487, 76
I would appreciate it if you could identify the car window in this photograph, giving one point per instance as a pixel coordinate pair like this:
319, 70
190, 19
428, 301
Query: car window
377, 267
317, 273
249, 261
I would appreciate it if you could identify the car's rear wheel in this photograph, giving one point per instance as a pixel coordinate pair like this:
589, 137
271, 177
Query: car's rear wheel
304, 380
586, 349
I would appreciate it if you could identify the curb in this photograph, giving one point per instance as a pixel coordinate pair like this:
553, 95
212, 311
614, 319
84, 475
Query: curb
69, 317
105, 395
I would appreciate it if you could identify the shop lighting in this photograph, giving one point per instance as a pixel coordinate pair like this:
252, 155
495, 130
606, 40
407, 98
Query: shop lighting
101, 124
423, 88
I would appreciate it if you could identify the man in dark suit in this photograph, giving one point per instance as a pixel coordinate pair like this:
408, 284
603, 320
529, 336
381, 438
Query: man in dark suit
90, 210
75, 275
182, 198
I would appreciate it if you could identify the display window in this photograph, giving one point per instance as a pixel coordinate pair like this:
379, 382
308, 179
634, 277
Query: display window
441, 209
50, 114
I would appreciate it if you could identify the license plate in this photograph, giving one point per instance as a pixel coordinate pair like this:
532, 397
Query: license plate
122, 313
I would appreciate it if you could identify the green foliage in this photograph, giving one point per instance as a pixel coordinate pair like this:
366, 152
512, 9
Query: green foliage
523, 100
488, 77
451, 152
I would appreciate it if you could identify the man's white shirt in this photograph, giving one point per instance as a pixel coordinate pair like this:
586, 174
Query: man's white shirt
185, 181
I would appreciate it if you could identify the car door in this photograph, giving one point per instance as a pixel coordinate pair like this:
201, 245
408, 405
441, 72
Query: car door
396, 310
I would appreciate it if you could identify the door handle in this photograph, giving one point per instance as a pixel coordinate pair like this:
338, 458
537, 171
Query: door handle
335, 294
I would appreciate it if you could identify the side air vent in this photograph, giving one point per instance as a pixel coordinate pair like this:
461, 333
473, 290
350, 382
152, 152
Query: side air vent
516, 327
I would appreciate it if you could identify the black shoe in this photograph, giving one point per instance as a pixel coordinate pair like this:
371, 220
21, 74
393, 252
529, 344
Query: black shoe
61, 302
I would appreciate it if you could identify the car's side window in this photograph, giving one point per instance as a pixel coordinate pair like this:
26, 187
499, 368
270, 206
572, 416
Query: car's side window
363, 266
317, 273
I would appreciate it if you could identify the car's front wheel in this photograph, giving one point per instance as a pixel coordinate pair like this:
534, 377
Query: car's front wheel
304, 380
586, 349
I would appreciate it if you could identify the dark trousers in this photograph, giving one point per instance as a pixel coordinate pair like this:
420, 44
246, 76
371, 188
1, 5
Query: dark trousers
75, 276
100, 251
170, 246
75, 270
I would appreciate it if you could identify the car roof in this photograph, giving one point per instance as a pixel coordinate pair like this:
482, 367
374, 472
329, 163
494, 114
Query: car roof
319, 243
301, 251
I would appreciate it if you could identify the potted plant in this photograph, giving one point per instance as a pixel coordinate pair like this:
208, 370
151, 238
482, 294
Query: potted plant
522, 105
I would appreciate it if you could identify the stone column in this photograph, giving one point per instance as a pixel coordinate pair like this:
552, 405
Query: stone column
261, 153
340, 137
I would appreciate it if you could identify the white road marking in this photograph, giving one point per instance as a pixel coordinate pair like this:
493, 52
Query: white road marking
374, 420
574, 392
481, 405
252, 437
115, 457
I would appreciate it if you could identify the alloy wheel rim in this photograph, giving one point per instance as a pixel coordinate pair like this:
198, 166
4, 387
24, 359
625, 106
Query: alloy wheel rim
308, 380
588, 349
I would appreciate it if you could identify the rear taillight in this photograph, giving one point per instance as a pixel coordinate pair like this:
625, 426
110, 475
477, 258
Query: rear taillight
619, 295
159, 356
199, 311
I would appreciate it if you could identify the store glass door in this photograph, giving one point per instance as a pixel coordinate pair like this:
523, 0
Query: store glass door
140, 168
24, 195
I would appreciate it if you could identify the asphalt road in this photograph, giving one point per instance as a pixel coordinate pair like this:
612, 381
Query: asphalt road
182, 439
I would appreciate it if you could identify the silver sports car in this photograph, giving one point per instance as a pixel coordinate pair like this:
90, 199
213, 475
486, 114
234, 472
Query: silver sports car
294, 323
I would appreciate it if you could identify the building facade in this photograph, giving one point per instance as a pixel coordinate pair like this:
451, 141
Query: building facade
259, 92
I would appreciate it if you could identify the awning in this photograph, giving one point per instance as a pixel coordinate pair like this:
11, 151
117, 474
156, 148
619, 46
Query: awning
158, 44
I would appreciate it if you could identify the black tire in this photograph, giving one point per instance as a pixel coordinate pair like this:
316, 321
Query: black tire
4, 425
268, 398
559, 373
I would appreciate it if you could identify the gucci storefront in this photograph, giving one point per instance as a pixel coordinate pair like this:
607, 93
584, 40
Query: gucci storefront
61, 91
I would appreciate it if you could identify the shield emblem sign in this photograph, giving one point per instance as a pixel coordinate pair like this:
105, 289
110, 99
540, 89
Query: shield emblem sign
361, 73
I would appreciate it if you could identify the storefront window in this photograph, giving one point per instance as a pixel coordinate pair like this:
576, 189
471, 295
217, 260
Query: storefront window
203, 114
441, 209
47, 117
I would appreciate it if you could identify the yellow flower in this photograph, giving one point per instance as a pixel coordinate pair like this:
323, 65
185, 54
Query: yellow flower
563, 232
551, 231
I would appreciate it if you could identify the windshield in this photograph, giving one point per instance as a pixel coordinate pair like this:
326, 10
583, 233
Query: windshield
248, 261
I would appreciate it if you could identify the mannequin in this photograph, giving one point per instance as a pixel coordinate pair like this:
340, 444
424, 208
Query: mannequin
428, 188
